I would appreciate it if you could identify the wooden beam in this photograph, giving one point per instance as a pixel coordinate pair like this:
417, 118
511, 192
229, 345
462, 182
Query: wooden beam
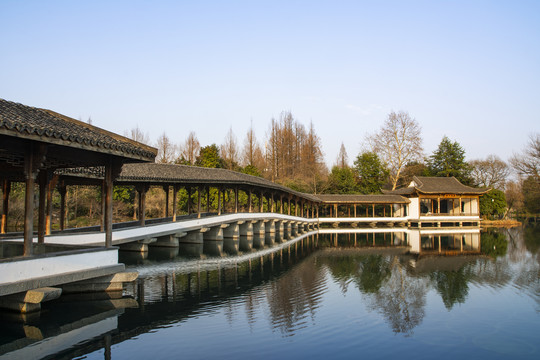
6, 189
166, 189
236, 199
198, 201
112, 170
42, 182
219, 201
48, 211
175, 201
62, 189
208, 199
142, 190
250, 209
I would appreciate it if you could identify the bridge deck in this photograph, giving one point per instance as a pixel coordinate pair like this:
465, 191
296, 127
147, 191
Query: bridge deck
122, 236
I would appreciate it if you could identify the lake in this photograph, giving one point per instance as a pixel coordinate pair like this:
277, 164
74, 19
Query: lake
368, 294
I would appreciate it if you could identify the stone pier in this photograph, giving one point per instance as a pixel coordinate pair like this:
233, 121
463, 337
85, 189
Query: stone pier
270, 227
29, 301
215, 233
232, 231
259, 227
246, 228
168, 241
139, 246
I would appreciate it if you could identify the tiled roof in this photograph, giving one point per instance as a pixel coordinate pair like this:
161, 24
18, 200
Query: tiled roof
184, 174
49, 127
154, 174
363, 199
438, 185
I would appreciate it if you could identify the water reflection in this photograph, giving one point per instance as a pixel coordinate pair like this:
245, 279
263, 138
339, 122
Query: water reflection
287, 284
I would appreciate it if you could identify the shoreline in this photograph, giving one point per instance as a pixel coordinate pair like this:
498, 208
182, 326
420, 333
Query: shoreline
501, 223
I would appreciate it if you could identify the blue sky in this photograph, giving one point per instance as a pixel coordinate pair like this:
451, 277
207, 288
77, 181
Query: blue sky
466, 69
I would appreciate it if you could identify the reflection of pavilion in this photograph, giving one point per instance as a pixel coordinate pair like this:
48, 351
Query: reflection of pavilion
444, 242
429, 241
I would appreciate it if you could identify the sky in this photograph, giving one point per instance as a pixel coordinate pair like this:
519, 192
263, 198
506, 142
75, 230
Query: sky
469, 70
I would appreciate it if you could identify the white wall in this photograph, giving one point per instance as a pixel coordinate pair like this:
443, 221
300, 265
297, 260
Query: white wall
26, 269
414, 208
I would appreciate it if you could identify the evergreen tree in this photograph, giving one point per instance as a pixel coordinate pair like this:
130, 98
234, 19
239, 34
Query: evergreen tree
493, 204
371, 172
449, 160
342, 181
209, 157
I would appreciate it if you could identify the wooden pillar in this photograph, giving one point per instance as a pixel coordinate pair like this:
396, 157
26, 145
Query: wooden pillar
236, 200
335, 210
142, 203
281, 204
271, 202
6, 189
166, 212
289, 206
249, 201
373, 208
112, 170
198, 202
176, 188
354, 210
261, 198
207, 199
33, 157
102, 217
62, 189
438, 205
42, 182
219, 201
188, 188
295, 207
48, 212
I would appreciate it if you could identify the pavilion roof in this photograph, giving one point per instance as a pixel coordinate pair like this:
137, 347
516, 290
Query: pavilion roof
46, 126
437, 185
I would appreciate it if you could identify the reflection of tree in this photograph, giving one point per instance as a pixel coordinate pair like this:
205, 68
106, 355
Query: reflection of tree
343, 269
452, 285
294, 295
532, 239
375, 269
401, 299
493, 243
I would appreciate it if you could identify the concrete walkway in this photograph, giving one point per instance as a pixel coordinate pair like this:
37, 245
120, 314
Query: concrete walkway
122, 236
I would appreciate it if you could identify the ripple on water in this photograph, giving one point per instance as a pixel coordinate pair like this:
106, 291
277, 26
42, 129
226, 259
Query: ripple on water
513, 347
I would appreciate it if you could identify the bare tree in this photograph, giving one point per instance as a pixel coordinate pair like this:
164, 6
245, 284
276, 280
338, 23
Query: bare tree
398, 142
514, 195
342, 160
491, 172
252, 154
313, 166
528, 162
229, 150
138, 135
189, 150
166, 150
